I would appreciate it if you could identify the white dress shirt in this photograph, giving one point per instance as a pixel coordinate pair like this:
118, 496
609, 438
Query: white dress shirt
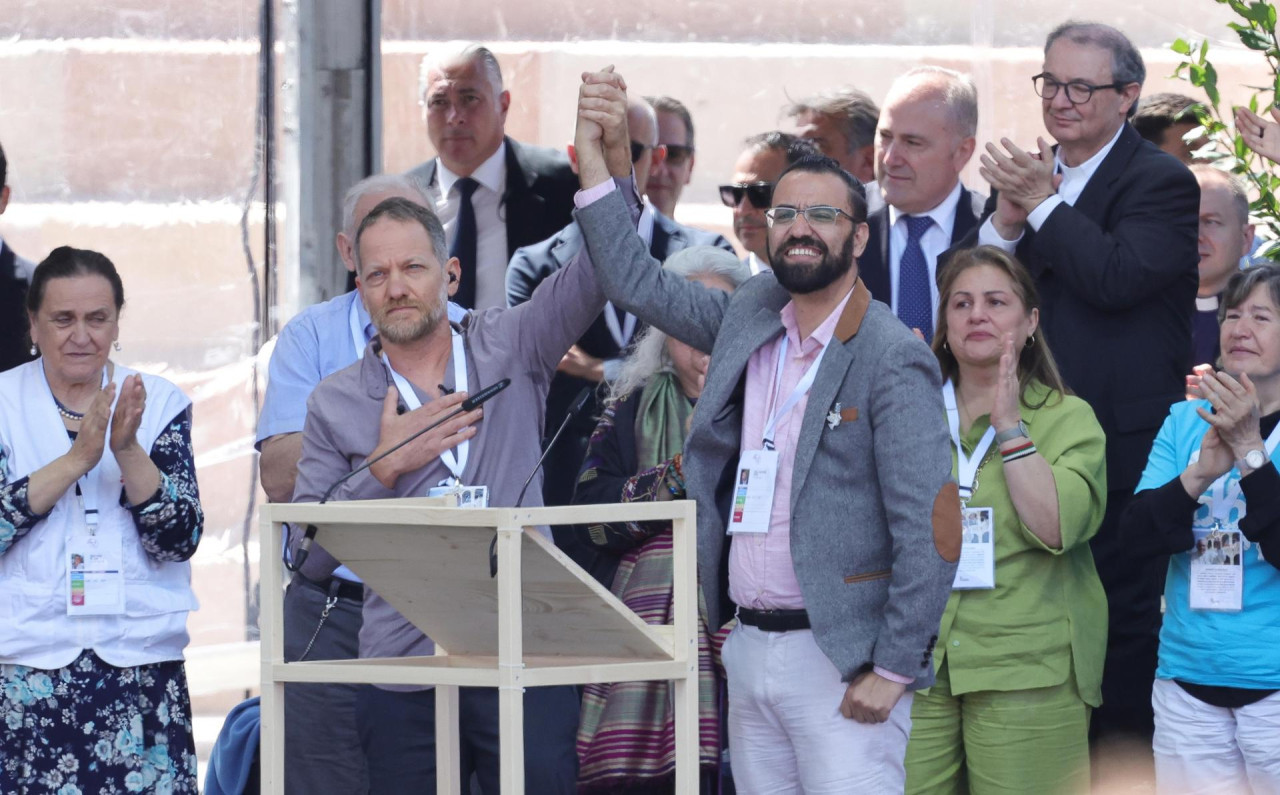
755, 264
1074, 178
491, 225
932, 243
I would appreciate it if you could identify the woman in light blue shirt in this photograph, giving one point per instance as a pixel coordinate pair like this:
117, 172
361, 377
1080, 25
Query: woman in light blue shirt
1211, 474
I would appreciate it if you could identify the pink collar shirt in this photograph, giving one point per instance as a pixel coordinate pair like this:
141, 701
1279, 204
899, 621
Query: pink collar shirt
761, 574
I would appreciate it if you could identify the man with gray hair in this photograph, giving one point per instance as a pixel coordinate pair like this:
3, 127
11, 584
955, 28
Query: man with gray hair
321, 618
1106, 223
924, 141
842, 123
493, 194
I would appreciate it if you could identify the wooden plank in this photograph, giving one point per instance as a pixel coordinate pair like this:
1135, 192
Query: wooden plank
510, 661
271, 706
437, 577
612, 671
685, 609
384, 672
448, 746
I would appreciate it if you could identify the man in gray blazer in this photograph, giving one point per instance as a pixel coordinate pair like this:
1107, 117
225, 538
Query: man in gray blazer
840, 569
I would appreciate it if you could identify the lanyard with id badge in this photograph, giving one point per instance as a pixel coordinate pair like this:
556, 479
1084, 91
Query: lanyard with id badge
758, 469
1217, 559
977, 566
94, 553
468, 496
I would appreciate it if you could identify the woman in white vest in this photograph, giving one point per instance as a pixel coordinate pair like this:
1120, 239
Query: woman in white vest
99, 512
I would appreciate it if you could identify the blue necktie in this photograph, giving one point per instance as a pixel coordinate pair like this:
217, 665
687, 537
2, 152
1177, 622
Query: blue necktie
464, 243
915, 301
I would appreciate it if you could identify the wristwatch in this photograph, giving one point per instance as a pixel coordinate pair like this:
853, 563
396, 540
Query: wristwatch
1013, 433
1254, 459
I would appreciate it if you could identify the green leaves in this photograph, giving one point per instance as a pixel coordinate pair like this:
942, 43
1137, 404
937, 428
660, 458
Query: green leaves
1256, 28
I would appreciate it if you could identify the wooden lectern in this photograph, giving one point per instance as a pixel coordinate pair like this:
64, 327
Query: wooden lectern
541, 621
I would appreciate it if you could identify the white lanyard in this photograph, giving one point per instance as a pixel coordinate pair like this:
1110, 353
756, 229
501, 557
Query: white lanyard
357, 331
622, 332
454, 465
1222, 497
966, 466
801, 389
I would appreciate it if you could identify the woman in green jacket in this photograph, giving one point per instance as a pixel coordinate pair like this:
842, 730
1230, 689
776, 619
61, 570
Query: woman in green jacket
1020, 648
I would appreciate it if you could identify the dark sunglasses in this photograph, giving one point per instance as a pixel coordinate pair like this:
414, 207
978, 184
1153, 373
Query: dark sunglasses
678, 154
637, 151
760, 194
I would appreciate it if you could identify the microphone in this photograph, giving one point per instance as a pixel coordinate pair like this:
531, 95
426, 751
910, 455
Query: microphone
575, 409
470, 404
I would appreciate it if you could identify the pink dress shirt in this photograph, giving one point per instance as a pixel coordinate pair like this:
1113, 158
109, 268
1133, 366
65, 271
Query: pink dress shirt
761, 574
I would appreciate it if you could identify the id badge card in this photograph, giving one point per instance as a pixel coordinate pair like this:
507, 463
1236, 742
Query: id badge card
95, 572
753, 492
977, 567
466, 496
1217, 569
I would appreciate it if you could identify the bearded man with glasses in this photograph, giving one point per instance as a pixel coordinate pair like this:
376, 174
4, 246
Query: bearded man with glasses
838, 545
1107, 224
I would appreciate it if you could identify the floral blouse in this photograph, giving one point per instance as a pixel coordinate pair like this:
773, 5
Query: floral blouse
169, 522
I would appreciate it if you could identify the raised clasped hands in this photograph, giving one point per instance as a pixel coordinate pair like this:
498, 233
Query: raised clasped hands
601, 139
1260, 135
1006, 409
395, 428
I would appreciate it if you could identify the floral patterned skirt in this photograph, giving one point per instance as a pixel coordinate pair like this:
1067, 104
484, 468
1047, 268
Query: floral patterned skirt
93, 728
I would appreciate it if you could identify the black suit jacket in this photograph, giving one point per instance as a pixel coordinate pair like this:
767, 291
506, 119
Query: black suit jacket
539, 195
15, 345
528, 268
1117, 275
873, 265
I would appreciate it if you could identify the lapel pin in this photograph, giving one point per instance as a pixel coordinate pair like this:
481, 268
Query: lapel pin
833, 417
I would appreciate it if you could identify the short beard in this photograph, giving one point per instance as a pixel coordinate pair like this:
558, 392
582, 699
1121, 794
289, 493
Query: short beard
805, 279
403, 332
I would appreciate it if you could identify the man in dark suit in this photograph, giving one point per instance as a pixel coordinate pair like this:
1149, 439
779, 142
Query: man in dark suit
493, 194
596, 356
924, 140
1107, 224
15, 274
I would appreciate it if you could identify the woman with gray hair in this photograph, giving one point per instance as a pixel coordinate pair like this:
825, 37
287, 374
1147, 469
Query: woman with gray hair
626, 741
1212, 476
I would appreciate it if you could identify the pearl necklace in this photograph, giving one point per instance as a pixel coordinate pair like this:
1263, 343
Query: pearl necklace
67, 413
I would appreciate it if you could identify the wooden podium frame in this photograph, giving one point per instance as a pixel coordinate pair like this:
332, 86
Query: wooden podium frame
542, 621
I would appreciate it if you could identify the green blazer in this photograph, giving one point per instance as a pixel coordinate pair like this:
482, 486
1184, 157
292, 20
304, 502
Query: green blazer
1046, 619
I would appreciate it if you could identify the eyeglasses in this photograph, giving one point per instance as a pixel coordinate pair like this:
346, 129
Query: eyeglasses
817, 215
1078, 91
678, 154
760, 194
637, 151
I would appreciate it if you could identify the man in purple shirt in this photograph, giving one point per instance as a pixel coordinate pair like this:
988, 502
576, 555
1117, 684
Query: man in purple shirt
418, 369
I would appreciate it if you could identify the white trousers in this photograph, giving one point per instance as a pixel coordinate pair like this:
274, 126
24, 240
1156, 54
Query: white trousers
1200, 748
786, 733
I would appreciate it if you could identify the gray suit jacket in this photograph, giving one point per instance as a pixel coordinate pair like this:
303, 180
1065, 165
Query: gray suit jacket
875, 516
